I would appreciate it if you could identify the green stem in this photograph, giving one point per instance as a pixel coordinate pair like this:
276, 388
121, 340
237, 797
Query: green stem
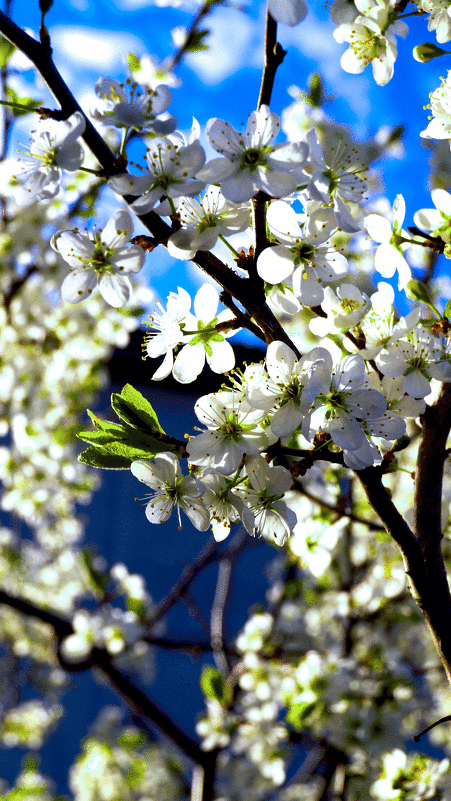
412, 14
88, 169
230, 247
124, 141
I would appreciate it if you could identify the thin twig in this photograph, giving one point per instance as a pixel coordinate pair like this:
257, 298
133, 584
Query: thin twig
218, 610
339, 512
274, 55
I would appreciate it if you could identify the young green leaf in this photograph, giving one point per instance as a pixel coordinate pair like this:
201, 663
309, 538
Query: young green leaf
104, 425
97, 457
213, 686
6, 51
133, 408
101, 437
133, 62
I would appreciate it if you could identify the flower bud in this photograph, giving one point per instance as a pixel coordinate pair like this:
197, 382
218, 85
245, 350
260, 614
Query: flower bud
427, 51
418, 291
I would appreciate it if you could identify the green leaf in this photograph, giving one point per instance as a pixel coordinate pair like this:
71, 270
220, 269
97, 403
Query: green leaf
133, 408
298, 714
133, 62
196, 43
104, 425
102, 437
447, 310
6, 51
314, 94
136, 773
136, 605
131, 740
99, 580
214, 686
127, 450
97, 457
29, 105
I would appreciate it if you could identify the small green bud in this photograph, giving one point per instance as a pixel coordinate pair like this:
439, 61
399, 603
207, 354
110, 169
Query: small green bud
133, 62
418, 291
427, 51
401, 443
315, 90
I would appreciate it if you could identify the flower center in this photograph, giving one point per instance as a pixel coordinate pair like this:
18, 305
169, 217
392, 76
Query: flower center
254, 157
49, 160
231, 428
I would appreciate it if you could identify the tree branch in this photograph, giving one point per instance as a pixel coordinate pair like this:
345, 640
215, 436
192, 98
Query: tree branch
102, 659
429, 597
217, 615
274, 55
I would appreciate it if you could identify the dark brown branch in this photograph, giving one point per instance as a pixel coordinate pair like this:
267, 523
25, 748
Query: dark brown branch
209, 553
436, 424
242, 319
274, 55
259, 223
427, 592
16, 286
432, 453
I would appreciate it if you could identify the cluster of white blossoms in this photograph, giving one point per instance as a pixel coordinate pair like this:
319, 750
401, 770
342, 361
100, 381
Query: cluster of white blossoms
313, 201
370, 27
266, 405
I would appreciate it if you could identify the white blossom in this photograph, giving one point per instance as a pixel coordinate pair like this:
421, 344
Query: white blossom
170, 488
171, 169
101, 260
52, 151
371, 38
439, 18
411, 356
206, 219
390, 253
124, 105
273, 517
204, 342
349, 411
438, 220
304, 253
167, 330
224, 505
439, 126
250, 163
345, 308
232, 430
284, 386
334, 179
